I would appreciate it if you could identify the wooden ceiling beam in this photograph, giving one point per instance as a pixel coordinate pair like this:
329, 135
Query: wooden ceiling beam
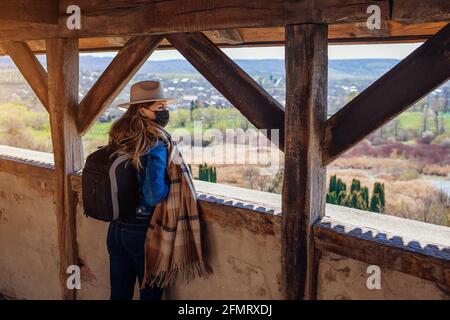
35, 11
30, 67
137, 17
348, 33
116, 76
259, 107
417, 11
410, 80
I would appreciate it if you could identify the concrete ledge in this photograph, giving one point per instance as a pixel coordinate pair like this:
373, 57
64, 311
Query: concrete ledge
36, 158
263, 202
412, 247
408, 234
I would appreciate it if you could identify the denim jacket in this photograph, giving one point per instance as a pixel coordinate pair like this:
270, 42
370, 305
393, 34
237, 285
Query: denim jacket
153, 180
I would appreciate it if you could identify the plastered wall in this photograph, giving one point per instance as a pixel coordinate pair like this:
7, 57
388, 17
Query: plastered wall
28, 239
245, 260
245, 264
342, 278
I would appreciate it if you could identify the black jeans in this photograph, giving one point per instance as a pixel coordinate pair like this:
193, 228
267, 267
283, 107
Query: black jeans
125, 244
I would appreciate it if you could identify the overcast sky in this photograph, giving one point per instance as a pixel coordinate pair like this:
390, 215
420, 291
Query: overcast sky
394, 51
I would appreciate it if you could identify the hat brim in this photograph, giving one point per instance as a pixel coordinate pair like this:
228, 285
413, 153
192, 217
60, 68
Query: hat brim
127, 104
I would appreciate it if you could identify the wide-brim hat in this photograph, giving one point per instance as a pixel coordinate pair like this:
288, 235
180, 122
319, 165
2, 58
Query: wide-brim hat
146, 91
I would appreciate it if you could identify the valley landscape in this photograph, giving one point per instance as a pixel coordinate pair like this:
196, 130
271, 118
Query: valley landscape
410, 155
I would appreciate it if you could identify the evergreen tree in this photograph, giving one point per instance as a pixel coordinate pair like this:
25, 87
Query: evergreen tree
356, 185
207, 173
340, 186
358, 197
341, 197
378, 190
365, 196
355, 203
331, 198
194, 105
201, 172
332, 184
375, 203
214, 175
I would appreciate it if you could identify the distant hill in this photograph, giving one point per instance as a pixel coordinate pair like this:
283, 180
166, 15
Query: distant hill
351, 69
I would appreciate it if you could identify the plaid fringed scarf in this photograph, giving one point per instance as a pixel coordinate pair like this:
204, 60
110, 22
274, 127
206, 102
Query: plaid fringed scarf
173, 245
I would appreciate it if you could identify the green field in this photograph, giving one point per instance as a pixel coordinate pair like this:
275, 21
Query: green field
25, 128
414, 121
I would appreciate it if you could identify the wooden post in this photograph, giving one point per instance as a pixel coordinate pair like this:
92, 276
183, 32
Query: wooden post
62, 61
303, 199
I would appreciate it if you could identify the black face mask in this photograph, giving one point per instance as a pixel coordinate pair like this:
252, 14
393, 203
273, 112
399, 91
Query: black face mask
162, 117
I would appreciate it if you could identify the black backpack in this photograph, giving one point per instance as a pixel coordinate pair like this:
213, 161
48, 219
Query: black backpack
110, 185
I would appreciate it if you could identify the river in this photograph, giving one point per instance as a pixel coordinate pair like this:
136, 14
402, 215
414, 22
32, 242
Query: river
442, 185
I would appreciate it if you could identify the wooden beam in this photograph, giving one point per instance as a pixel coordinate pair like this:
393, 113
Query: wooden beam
116, 76
384, 253
37, 46
410, 80
36, 11
347, 33
303, 196
230, 36
115, 41
415, 11
62, 60
259, 107
137, 17
129, 18
30, 67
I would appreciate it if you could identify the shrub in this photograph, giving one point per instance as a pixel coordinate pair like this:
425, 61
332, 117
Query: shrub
409, 174
426, 137
434, 170
442, 139
207, 173
358, 197
179, 118
277, 182
37, 120
427, 153
377, 202
407, 134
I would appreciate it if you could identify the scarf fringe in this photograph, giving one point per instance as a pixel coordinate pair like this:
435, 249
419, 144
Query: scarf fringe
177, 274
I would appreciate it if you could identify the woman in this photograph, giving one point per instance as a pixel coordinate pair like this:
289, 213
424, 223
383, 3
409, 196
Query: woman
139, 132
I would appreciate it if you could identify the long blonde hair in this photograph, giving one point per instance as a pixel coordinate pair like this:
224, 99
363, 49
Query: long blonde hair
134, 134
